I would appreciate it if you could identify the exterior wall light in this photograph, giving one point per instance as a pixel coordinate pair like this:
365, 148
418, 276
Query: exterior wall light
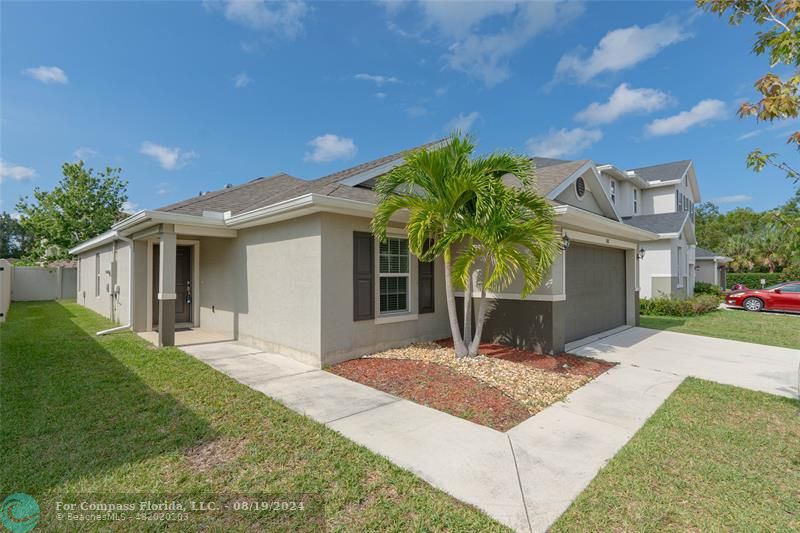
564, 243
640, 255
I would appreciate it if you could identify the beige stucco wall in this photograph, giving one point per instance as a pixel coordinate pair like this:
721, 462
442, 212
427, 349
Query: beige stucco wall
113, 271
277, 279
342, 337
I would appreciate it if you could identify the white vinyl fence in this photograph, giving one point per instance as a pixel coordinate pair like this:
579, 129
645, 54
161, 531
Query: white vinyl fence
5, 288
43, 283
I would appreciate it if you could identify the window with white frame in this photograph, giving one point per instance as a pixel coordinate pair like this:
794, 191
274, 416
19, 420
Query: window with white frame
394, 274
613, 186
680, 265
677, 201
635, 201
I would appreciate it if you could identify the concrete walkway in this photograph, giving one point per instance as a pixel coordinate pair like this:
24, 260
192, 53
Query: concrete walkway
753, 366
524, 478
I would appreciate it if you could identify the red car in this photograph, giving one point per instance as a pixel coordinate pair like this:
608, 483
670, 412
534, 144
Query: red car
781, 297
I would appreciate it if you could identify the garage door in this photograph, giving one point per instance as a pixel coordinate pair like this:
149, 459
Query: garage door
595, 290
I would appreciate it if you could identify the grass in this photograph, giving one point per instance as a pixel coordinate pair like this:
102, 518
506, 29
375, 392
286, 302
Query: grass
712, 458
762, 328
113, 415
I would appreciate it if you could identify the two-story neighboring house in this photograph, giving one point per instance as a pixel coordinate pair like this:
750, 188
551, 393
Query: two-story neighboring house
660, 199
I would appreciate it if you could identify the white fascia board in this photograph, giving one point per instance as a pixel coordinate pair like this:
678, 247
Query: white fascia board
599, 192
305, 205
623, 175
104, 238
141, 220
361, 177
592, 223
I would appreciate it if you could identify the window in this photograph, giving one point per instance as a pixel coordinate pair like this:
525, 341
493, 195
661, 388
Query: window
97, 275
680, 266
394, 275
635, 201
613, 185
677, 200
790, 288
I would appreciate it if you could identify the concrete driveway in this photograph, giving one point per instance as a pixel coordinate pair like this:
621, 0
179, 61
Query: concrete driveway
753, 366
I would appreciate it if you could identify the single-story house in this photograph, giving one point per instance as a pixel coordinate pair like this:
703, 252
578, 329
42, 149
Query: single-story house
711, 267
290, 266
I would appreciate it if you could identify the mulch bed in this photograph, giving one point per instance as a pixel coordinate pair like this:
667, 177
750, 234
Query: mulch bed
438, 387
500, 388
565, 363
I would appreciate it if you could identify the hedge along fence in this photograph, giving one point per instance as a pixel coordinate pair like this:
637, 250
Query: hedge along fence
752, 280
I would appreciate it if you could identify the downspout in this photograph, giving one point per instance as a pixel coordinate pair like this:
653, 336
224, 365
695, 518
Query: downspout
130, 290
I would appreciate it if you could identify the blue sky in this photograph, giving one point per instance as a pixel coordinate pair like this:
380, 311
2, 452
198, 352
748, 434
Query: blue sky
189, 96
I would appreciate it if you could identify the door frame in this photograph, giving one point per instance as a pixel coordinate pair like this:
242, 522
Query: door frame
195, 245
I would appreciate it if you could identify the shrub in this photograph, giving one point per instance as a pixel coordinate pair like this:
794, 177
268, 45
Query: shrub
752, 280
701, 287
697, 305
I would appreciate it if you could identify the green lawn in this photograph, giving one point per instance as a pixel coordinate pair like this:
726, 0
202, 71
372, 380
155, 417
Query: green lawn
712, 458
112, 415
762, 328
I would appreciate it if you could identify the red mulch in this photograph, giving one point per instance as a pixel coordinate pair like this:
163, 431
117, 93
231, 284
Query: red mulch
438, 387
565, 363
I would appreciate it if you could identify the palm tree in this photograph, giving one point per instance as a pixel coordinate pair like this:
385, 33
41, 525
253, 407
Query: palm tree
740, 250
460, 209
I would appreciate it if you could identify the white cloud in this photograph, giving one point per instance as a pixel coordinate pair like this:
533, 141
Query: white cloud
380, 95
620, 49
164, 188
704, 111
378, 79
330, 147
732, 199
129, 207
485, 56
416, 111
47, 74
559, 143
283, 18
748, 135
441, 91
241, 80
622, 101
15, 172
84, 152
462, 122
168, 158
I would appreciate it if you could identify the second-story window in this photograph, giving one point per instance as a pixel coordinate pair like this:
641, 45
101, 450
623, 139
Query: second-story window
677, 200
613, 185
635, 201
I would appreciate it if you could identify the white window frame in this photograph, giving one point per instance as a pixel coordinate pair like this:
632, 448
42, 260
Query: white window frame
635, 200
406, 275
680, 267
613, 187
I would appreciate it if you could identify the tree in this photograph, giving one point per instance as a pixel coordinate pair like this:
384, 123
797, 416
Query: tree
14, 240
82, 205
460, 209
779, 96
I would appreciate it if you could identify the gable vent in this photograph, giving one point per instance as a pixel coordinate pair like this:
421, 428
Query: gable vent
580, 187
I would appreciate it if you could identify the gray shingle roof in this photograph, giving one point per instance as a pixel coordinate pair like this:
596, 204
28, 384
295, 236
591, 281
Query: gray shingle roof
705, 253
662, 223
239, 199
664, 171
541, 162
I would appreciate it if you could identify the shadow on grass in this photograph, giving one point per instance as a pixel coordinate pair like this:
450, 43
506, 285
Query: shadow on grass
70, 408
662, 322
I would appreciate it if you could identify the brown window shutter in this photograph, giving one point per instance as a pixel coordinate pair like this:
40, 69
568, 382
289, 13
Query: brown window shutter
363, 276
425, 282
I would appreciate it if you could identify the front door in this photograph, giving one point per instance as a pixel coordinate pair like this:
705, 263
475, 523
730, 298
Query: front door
183, 284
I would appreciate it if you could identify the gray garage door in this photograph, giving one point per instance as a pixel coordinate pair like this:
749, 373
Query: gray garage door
595, 290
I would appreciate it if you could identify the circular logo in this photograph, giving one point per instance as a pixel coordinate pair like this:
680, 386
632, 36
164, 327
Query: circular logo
20, 512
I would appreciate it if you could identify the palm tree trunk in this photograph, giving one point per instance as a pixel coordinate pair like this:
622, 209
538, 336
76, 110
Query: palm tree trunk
458, 341
468, 311
479, 321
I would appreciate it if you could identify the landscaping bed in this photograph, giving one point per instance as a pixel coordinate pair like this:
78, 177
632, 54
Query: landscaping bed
499, 389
